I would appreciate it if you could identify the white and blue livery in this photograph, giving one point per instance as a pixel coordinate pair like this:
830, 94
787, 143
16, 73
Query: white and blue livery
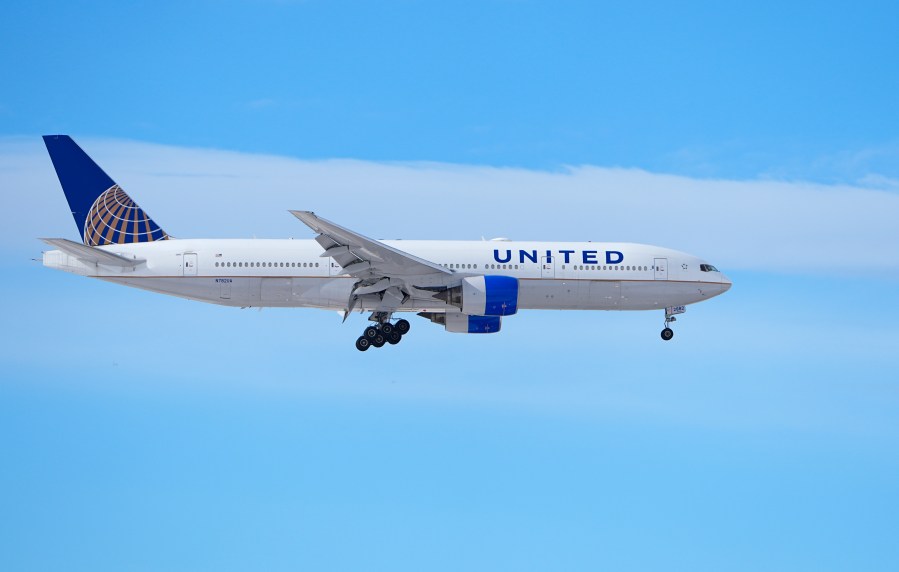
465, 286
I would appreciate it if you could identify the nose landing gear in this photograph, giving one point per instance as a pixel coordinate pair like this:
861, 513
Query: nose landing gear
382, 333
668, 333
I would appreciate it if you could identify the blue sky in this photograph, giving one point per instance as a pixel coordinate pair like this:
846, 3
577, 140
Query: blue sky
143, 432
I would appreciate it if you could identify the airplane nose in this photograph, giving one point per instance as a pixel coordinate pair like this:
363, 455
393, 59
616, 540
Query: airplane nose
725, 281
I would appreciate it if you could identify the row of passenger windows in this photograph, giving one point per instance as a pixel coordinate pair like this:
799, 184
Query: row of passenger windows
615, 267
453, 266
487, 266
266, 264
574, 267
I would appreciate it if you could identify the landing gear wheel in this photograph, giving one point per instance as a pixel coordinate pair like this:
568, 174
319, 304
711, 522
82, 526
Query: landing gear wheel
667, 334
386, 328
378, 341
394, 338
363, 343
402, 327
370, 332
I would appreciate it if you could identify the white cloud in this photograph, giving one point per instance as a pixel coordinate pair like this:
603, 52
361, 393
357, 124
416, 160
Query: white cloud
745, 225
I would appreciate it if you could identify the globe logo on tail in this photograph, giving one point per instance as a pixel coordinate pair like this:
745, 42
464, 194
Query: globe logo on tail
115, 218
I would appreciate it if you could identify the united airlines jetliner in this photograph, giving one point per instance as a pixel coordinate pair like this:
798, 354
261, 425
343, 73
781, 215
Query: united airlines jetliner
465, 286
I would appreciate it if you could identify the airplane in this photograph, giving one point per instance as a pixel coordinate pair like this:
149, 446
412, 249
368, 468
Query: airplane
465, 286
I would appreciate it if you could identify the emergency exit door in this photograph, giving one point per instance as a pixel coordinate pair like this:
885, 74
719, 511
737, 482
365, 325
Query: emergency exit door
546, 267
189, 262
661, 268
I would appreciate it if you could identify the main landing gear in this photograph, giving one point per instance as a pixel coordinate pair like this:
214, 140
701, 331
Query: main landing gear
383, 333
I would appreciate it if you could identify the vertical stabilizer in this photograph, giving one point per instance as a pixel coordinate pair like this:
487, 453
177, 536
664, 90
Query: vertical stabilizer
104, 213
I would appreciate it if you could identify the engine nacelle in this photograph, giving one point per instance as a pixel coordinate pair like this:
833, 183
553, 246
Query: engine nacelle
484, 296
465, 324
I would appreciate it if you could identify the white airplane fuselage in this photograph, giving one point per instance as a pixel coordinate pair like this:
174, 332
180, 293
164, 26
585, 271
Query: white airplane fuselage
465, 286
293, 273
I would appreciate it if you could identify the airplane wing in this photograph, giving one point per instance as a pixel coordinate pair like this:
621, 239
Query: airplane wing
361, 256
379, 268
93, 255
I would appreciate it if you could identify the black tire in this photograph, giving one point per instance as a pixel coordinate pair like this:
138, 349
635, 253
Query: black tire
363, 343
378, 341
402, 327
370, 332
386, 328
667, 334
394, 337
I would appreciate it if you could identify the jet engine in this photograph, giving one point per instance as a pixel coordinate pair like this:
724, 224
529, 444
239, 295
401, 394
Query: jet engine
483, 296
465, 324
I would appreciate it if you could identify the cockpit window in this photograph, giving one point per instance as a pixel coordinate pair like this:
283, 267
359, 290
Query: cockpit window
707, 268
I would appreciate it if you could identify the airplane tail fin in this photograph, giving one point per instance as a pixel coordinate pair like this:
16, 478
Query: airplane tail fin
104, 213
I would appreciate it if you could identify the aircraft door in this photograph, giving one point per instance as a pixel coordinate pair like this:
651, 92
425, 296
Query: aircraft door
189, 264
661, 268
334, 269
547, 270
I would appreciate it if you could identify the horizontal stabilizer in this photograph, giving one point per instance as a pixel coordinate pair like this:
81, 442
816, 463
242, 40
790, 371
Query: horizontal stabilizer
93, 255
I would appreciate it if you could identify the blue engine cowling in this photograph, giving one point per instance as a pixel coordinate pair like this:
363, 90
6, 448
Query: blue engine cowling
483, 296
465, 324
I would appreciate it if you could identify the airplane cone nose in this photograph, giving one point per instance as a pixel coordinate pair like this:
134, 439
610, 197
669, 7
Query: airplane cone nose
725, 281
